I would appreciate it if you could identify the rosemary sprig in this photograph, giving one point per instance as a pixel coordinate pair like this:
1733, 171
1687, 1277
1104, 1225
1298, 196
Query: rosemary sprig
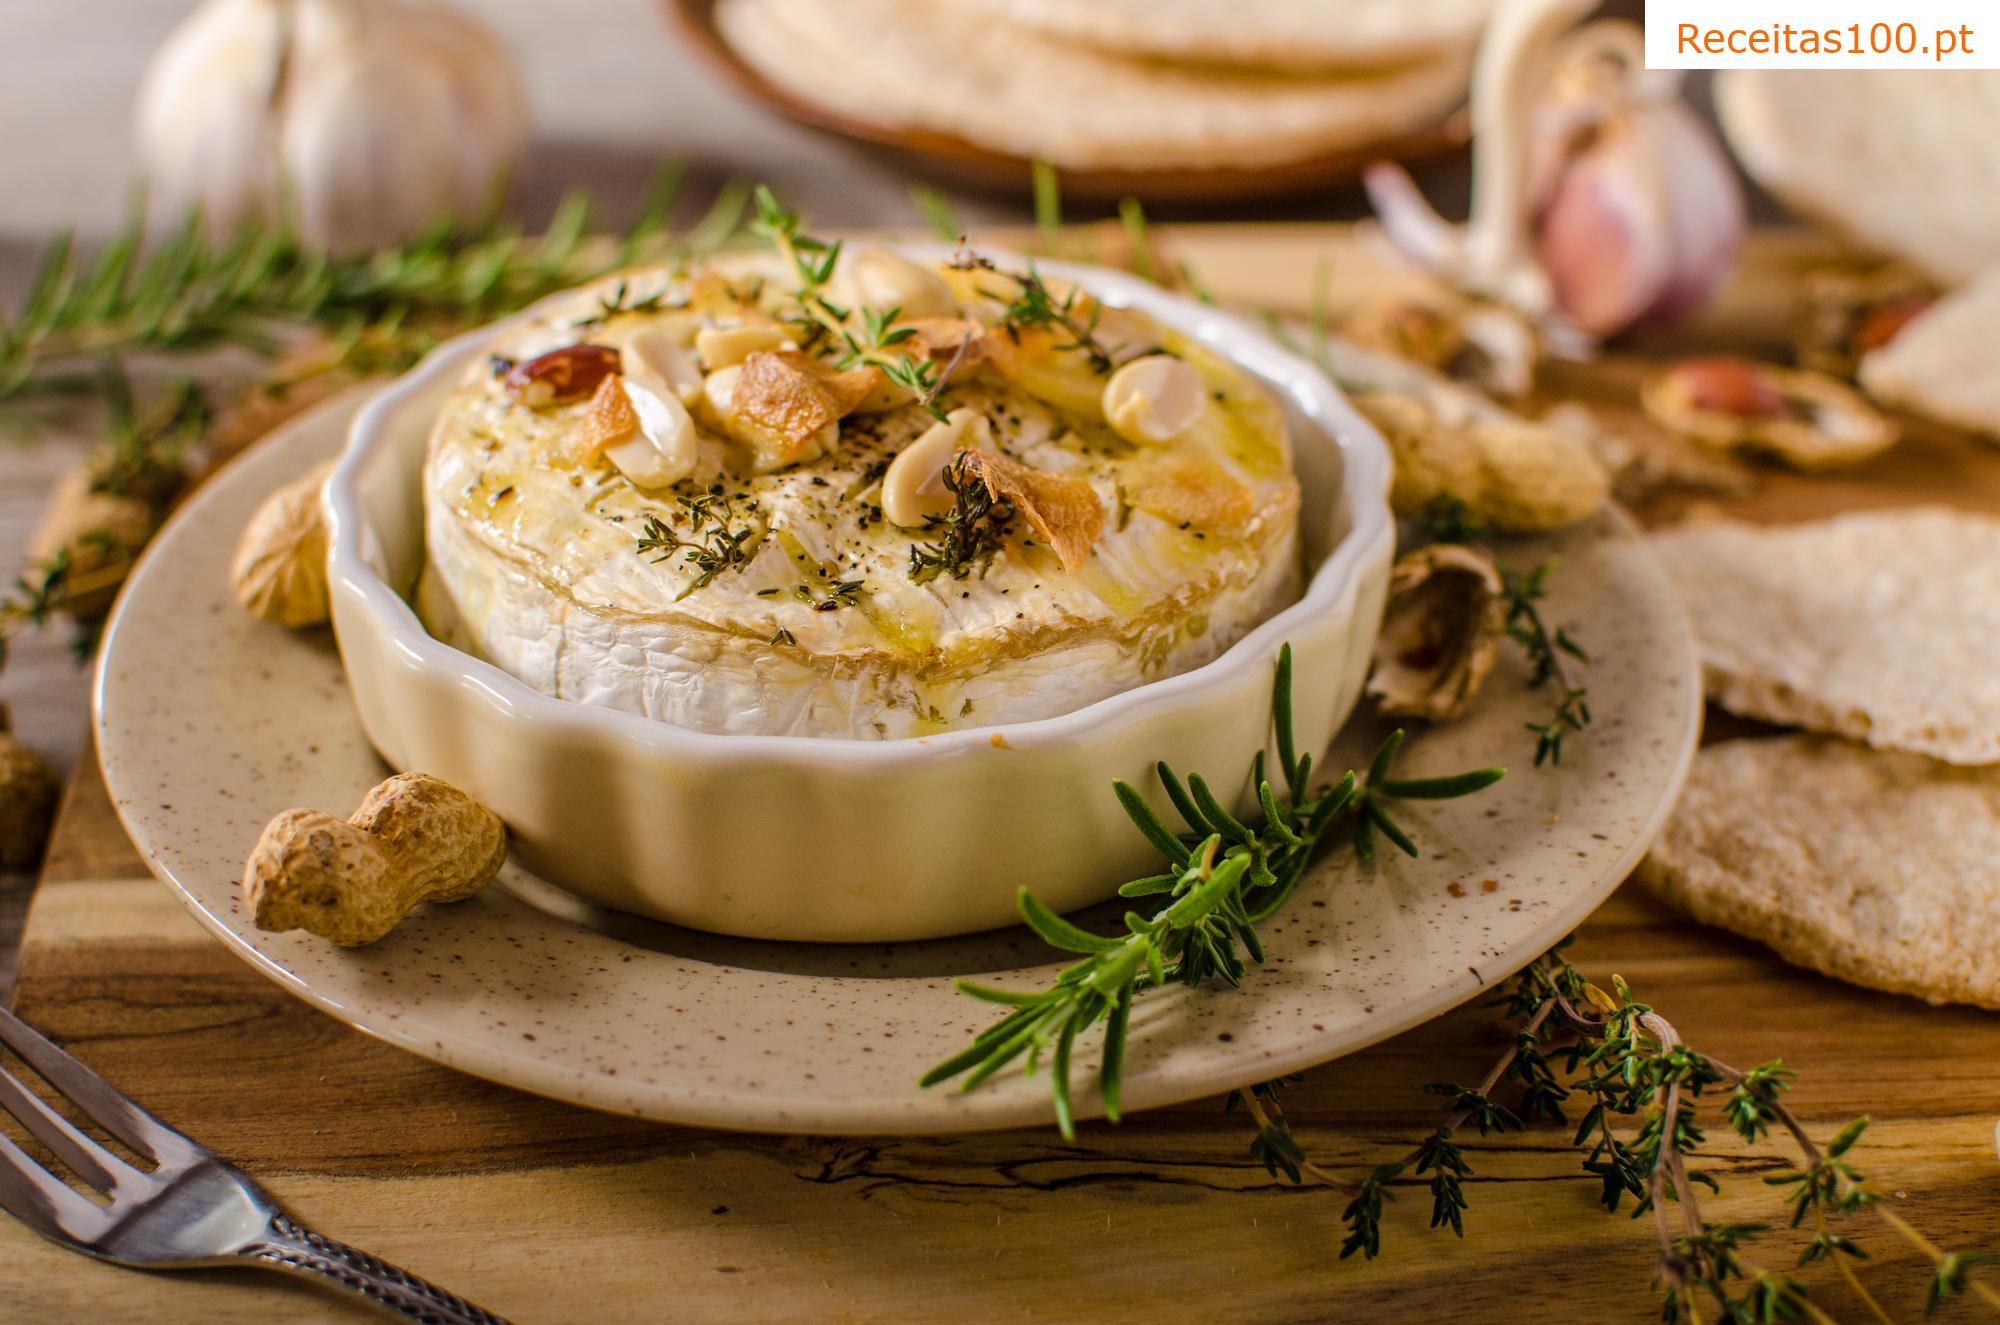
1222, 878
1629, 1063
194, 292
969, 535
712, 545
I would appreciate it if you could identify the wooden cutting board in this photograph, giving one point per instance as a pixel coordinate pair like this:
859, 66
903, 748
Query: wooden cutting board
546, 1212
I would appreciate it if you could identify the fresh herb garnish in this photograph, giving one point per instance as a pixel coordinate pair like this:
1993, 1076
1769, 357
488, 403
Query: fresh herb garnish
712, 545
1223, 877
1548, 654
969, 535
620, 303
826, 326
1032, 304
1575, 1042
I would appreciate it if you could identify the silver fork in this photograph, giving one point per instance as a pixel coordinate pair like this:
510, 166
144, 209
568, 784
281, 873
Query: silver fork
193, 1211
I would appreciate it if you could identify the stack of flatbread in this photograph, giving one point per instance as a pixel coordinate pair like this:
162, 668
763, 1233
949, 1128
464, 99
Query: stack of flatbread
1871, 851
1904, 164
1122, 84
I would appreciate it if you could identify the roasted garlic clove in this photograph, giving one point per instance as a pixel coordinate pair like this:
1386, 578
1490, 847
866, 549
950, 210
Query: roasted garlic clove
279, 573
1805, 420
1154, 399
650, 352
725, 347
1440, 633
656, 448
913, 487
885, 282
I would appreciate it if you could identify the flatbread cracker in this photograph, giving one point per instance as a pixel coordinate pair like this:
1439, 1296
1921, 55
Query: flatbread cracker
1882, 626
1877, 868
951, 70
1277, 34
1905, 166
1941, 364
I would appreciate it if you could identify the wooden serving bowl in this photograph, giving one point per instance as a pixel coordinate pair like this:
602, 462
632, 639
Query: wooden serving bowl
949, 159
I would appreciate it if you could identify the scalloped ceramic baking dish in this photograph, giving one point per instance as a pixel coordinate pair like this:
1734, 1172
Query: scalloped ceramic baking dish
799, 838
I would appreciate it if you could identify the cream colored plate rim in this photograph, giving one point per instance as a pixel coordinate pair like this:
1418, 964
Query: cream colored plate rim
633, 1017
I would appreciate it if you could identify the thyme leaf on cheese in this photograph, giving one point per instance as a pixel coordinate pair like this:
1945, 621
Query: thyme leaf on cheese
1222, 878
714, 542
1031, 303
824, 325
968, 535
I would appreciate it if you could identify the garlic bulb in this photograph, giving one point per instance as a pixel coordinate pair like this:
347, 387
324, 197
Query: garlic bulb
1600, 202
362, 121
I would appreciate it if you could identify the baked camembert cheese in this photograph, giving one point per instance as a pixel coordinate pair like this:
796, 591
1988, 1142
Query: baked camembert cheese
852, 495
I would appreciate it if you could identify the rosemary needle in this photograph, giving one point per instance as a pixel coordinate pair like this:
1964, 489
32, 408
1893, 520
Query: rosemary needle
1223, 877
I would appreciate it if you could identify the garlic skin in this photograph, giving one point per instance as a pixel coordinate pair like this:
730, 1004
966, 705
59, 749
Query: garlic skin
1601, 203
361, 121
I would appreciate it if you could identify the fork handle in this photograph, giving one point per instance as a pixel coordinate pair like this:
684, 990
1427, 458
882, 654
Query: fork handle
294, 1248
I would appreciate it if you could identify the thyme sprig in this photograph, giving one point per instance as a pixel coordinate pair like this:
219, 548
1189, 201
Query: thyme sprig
1031, 303
714, 542
969, 535
1551, 652
1222, 878
851, 338
1631, 1066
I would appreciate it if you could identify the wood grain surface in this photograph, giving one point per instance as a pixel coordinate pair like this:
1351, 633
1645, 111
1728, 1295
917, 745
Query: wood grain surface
546, 1212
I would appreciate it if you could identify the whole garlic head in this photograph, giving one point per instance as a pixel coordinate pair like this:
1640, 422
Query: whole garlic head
362, 120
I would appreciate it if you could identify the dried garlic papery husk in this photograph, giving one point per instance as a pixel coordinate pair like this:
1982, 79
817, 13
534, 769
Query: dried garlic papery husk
1805, 420
1440, 632
1601, 202
362, 121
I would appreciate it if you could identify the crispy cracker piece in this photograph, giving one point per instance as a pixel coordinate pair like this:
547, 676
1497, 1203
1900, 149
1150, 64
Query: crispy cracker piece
1062, 508
1940, 364
1882, 626
1878, 868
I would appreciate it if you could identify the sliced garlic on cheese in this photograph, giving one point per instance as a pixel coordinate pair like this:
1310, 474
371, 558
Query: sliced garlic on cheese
652, 352
662, 452
913, 487
1153, 400
718, 397
882, 281
725, 347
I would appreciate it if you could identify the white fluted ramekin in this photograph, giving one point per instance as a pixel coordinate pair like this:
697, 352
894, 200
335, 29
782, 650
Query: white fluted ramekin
790, 837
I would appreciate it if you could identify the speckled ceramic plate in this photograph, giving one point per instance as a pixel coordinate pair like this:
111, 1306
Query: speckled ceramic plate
530, 987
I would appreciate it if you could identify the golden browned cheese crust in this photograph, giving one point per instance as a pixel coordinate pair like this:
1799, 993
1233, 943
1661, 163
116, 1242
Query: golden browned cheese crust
765, 594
